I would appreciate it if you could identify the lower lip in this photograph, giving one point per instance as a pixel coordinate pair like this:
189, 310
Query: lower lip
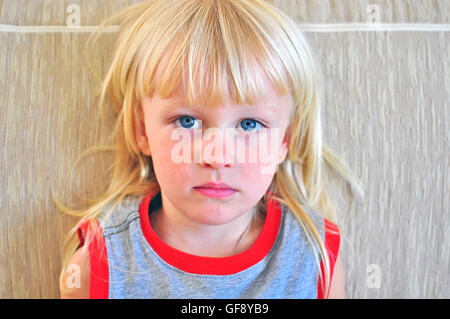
215, 192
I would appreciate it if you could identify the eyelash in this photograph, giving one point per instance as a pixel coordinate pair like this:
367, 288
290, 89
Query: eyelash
188, 116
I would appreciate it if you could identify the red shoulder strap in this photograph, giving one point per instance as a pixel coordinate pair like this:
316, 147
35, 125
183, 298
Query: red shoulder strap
91, 232
332, 241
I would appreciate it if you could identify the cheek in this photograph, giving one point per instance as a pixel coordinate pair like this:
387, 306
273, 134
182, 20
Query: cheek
257, 174
263, 152
170, 175
255, 177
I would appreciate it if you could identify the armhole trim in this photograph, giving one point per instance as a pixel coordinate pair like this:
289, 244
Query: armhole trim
98, 258
332, 242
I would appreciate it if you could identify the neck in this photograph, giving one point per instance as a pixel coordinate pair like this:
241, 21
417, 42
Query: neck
206, 240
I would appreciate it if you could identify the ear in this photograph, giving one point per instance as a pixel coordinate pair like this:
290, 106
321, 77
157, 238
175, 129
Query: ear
141, 137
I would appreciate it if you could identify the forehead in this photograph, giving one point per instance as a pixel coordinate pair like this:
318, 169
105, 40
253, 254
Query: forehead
214, 86
266, 95
271, 102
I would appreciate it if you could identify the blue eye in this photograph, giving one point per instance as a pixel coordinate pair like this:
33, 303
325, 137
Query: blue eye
188, 122
250, 124
185, 121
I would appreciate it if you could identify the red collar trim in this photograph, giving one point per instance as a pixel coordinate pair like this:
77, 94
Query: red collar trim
214, 265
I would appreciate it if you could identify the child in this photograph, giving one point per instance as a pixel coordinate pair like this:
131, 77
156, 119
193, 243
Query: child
213, 227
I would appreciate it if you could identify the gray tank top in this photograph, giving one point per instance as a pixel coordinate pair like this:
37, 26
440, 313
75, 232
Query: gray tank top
128, 259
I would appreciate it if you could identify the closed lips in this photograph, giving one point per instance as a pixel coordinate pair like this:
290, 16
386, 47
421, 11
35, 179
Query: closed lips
215, 186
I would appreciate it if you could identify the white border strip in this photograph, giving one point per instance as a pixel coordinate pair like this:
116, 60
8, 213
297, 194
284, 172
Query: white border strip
314, 27
358, 27
53, 29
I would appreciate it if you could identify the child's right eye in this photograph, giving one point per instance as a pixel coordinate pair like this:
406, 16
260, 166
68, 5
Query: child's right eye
185, 121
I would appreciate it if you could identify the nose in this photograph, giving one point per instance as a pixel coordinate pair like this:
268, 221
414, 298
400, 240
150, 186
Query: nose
214, 164
217, 149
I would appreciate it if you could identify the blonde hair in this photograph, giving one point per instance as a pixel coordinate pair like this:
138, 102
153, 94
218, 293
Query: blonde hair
208, 41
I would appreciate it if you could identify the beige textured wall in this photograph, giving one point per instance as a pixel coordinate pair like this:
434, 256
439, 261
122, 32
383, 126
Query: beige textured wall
386, 111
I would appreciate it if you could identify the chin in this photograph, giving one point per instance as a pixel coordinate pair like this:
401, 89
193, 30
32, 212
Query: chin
213, 214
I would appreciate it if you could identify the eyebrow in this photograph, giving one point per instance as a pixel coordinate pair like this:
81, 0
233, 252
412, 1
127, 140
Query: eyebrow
270, 112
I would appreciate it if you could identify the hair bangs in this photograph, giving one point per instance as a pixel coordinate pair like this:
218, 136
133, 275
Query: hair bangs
218, 50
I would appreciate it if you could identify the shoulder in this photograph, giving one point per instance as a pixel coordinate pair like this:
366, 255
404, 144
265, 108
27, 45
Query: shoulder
328, 229
337, 288
88, 266
76, 279
301, 224
331, 238
117, 214
305, 220
111, 218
